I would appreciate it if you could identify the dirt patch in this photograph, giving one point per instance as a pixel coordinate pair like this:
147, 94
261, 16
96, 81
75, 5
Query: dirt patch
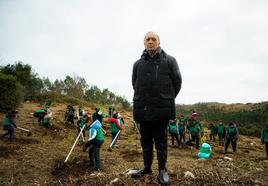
6, 151
74, 167
28, 140
131, 156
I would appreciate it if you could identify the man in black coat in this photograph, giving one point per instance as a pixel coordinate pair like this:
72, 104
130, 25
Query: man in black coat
156, 81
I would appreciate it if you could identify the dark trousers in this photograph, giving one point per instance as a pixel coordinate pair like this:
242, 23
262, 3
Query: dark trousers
94, 153
221, 139
40, 118
182, 136
266, 148
154, 132
233, 142
194, 139
70, 119
212, 136
10, 132
175, 136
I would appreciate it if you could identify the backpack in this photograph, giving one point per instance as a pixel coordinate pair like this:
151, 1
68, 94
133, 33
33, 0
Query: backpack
220, 129
232, 132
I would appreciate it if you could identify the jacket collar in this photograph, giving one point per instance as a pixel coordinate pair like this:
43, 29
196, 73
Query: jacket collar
159, 52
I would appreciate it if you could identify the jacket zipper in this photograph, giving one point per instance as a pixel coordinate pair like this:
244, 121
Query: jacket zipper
156, 71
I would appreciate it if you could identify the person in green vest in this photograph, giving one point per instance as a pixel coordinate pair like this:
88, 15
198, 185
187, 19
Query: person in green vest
69, 114
120, 119
9, 124
40, 114
81, 111
182, 127
115, 127
81, 122
111, 111
94, 143
98, 115
264, 139
46, 119
231, 137
194, 130
221, 133
212, 132
48, 103
201, 127
173, 130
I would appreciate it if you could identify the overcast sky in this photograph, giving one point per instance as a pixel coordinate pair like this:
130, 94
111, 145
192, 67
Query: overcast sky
221, 46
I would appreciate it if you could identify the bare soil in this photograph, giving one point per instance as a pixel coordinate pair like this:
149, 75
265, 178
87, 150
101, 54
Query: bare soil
39, 159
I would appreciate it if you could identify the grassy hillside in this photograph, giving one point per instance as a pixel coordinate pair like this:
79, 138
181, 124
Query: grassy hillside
38, 159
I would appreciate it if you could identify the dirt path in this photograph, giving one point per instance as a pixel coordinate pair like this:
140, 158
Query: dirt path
38, 159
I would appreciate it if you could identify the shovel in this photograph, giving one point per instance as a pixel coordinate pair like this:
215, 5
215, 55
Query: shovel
26, 130
110, 147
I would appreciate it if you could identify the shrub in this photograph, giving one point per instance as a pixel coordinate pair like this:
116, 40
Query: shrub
11, 92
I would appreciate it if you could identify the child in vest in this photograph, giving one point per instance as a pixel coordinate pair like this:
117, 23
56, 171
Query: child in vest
115, 127
173, 130
46, 119
69, 114
9, 124
194, 129
40, 114
98, 115
96, 139
212, 132
120, 119
231, 137
221, 133
81, 123
264, 139
181, 126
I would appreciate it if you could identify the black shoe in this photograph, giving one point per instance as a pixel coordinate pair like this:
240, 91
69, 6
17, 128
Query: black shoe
141, 173
163, 177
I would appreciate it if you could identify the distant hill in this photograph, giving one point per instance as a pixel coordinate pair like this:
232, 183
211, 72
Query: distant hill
249, 117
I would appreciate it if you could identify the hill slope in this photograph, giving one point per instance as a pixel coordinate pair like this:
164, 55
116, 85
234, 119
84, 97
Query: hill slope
38, 159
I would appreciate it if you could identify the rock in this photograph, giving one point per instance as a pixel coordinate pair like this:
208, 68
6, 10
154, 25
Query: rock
188, 174
131, 171
257, 182
228, 158
259, 169
201, 159
114, 181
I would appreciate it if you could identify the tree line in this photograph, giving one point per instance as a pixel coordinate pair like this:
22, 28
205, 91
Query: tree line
20, 83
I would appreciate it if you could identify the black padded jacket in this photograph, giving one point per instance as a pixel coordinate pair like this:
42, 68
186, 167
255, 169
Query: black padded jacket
156, 82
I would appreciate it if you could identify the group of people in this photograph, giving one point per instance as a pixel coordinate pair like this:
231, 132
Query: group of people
191, 125
96, 133
195, 128
226, 134
156, 80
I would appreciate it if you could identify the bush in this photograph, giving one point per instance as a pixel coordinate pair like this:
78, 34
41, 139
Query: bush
250, 130
10, 94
